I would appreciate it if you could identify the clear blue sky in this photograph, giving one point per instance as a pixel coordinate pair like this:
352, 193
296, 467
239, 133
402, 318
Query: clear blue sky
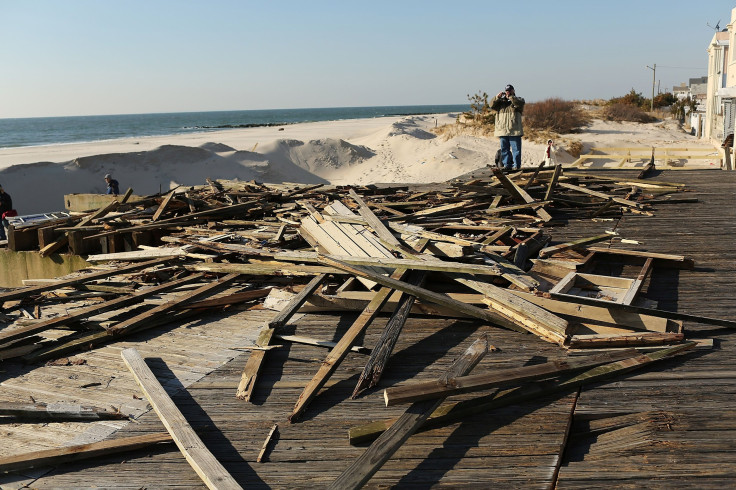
82, 57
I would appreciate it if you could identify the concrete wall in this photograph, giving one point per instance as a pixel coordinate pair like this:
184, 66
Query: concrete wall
90, 202
16, 266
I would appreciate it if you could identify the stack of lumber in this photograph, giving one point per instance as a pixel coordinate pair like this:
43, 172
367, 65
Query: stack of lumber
479, 249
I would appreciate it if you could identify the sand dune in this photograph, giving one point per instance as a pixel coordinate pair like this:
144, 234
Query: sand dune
361, 151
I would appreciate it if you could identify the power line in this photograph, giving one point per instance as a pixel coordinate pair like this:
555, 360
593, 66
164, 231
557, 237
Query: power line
682, 67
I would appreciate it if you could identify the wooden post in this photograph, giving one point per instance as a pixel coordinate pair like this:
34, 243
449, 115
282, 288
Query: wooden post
385, 345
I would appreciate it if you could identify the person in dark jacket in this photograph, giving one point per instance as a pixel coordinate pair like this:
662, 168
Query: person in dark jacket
112, 185
6, 205
509, 127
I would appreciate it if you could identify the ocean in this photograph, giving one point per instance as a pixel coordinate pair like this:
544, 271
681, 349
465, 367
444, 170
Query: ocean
74, 129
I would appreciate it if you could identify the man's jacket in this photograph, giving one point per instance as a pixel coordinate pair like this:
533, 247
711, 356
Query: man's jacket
6, 203
508, 115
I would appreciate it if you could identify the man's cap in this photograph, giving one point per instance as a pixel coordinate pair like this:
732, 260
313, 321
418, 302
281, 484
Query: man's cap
108, 176
508, 88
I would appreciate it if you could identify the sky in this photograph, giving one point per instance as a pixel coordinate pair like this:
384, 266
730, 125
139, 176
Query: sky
86, 57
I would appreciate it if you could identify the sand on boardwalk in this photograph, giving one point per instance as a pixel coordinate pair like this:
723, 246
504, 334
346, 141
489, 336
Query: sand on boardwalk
357, 151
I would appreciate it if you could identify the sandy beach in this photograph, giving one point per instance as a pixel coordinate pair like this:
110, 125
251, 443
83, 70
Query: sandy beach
357, 151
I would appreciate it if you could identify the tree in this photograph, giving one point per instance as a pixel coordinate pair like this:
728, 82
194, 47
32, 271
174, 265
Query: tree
664, 100
480, 109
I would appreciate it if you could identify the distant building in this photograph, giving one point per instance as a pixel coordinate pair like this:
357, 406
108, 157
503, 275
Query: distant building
718, 54
681, 91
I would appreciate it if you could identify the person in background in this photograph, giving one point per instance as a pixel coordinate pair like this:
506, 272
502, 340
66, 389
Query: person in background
549, 154
112, 185
6, 206
509, 129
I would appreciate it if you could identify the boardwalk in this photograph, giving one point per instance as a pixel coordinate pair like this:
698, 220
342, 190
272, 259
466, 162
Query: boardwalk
675, 425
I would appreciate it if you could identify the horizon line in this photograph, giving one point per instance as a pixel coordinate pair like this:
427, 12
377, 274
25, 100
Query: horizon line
230, 110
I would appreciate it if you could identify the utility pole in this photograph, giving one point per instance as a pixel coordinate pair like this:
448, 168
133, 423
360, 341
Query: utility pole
654, 81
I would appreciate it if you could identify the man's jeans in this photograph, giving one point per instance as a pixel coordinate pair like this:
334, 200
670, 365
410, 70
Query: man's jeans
511, 152
3, 226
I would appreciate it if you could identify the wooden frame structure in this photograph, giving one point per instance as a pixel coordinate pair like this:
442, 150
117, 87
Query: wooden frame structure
664, 155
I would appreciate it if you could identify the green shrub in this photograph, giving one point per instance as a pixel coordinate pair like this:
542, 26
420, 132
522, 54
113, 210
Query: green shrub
626, 112
556, 115
633, 98
664, 100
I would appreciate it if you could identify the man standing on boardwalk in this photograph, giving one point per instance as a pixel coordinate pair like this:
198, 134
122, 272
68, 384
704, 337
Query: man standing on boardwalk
509, 129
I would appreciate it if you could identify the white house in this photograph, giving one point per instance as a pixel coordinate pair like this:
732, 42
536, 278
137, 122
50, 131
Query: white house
718, 54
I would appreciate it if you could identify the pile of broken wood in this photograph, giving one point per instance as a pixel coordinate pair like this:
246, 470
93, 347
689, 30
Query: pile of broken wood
478, 249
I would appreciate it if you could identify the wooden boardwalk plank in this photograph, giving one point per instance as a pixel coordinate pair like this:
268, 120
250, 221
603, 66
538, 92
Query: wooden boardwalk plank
211, 471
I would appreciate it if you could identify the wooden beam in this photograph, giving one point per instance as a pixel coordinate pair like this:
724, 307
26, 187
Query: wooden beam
7, 335
25, 292
601, 195
394, 263
264, 448
534, 175
506, 230
367, 464
81, 452
425, 294
162, 206
451, 412
57, 411
515, 207
253, 366
257, 357
151, 318
127, 195
338, 353
373, 221
467, 384
604, 341
89, 341
230, 299
553, 182
384, 347
271, 268
209, 469
523, 313
638, 283
600, 313
181, 219
103, 211
139, 321
679, 261
672, 315
519, 194
298, 339
296, 301
546, 252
